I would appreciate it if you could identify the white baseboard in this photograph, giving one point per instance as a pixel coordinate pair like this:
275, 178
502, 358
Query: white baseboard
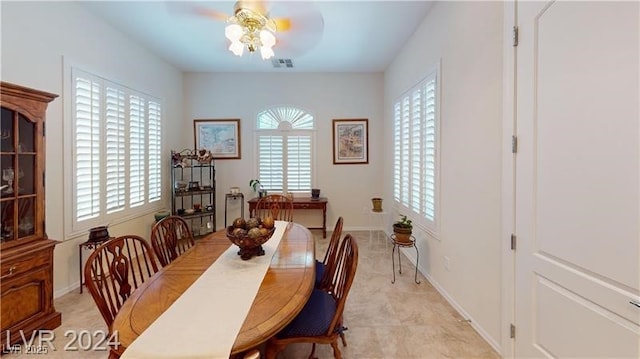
483, 333
62, 291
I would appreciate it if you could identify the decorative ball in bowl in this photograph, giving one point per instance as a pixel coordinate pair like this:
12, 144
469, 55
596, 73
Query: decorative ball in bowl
250, 235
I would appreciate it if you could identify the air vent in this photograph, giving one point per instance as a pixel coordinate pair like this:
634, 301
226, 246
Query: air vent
279, 63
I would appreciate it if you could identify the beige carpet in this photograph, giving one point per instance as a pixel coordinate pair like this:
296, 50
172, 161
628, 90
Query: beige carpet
401, 320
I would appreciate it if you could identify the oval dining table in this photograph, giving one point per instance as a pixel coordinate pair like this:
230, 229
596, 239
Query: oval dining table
283, 292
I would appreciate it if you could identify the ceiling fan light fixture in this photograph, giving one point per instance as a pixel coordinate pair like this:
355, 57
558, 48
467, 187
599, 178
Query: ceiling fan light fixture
237, 48
267, 38
266, 52
233, 32
251, 29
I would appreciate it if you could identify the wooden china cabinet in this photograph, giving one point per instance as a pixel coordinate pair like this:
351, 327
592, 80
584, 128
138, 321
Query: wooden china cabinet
26, 254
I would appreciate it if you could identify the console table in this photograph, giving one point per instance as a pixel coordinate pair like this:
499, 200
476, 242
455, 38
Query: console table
304, 203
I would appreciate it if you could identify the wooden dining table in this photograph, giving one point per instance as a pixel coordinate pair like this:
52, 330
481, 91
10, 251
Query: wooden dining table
283, 293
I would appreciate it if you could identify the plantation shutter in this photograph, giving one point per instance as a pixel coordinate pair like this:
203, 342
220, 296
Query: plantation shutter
285, 149
415, 162
299, 163
429, 156
136, 151
87, 100
414, 150
397, 159
155, 152
404, 151
271, 162
115, 149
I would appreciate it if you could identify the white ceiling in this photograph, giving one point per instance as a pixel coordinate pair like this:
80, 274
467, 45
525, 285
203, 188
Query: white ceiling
357, 36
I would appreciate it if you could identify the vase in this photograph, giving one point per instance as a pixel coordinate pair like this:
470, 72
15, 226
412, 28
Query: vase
377, 204
402, 234
315, 193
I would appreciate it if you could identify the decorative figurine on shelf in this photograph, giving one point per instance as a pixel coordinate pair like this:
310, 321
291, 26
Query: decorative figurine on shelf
185, 157
205, 156
180, 159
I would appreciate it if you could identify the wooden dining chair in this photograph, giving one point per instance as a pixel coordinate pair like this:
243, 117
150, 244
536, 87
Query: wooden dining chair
170, 237
329, 256
275, 205
115, 269
320, 321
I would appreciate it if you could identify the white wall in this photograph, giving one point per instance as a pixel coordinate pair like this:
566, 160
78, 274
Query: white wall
349, 188
466, 39
35, 38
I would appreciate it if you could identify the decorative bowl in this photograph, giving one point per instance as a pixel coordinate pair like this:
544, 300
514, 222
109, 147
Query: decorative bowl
160, 215
249, 246
98, 234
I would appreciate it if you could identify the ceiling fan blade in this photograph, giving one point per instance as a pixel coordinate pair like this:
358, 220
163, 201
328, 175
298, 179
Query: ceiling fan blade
304, 26
214, 14
282, 24
192, 8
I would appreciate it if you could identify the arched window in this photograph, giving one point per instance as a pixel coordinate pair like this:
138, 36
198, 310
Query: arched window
285, 137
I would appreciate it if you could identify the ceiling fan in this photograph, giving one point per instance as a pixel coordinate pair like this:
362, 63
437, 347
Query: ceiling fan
291, 28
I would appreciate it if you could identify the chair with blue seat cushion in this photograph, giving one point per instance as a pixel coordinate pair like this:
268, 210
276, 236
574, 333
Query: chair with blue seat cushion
330, 254
320, 321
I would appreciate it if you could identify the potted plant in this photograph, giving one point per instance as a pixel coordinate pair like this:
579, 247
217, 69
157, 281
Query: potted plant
402, 229
257, 187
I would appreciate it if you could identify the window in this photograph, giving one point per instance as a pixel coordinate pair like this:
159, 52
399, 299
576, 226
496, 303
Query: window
115, 151
285, 137
415, 152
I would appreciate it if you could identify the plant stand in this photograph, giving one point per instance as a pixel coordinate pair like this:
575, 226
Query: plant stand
398, 244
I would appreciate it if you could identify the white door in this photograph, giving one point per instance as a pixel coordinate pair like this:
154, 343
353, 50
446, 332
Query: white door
578, 180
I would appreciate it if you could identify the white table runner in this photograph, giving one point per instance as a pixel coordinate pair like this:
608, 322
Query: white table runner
205, 320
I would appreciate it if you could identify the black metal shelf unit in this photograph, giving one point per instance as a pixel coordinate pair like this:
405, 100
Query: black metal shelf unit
193, 189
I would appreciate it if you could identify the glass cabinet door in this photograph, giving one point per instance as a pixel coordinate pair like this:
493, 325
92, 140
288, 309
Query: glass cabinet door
18, 162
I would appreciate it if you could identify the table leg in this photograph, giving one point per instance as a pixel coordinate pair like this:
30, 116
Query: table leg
80, 265
324, 222
226, 199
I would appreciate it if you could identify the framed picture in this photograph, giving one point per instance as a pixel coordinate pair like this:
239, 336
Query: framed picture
350, 141
221, 137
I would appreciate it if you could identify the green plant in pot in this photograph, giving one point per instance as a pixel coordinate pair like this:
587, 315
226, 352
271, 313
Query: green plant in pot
257, 187
402, 229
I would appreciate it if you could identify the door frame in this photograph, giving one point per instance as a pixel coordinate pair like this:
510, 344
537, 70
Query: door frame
509, 129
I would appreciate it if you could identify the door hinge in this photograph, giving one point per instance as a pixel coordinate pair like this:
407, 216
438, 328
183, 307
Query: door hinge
515, 36
513, 242
512, 331
514, 144
44, 129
